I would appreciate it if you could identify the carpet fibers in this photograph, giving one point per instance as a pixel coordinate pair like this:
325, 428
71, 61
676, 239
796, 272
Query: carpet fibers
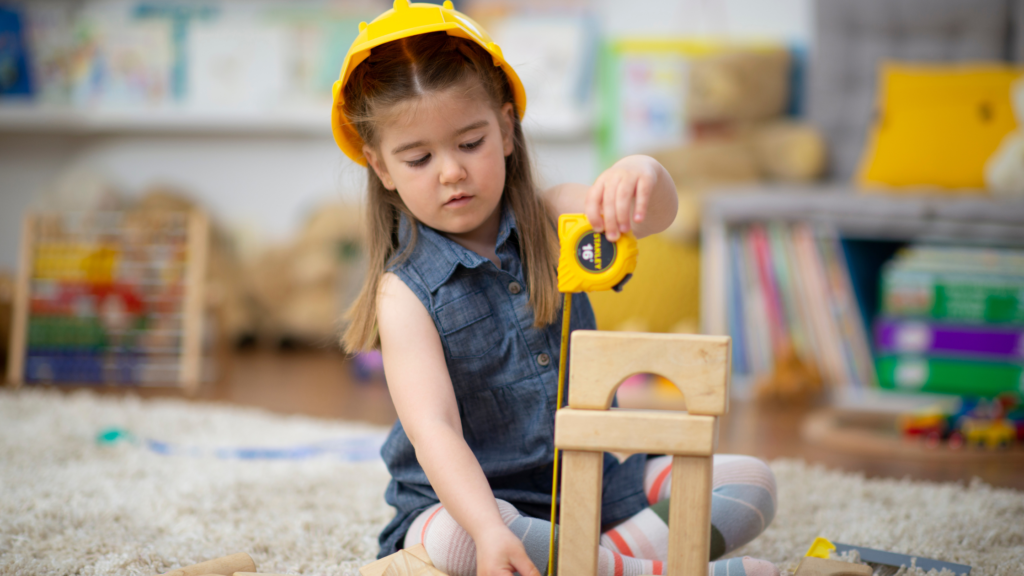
117, 485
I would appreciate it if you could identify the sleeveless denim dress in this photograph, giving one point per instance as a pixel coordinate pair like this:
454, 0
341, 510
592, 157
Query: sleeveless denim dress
504, 372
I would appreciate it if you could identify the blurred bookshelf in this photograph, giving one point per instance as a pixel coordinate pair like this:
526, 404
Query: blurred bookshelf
808, 268
21, 118
30, 118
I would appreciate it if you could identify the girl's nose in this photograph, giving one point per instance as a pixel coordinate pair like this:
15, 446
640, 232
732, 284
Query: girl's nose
452, 171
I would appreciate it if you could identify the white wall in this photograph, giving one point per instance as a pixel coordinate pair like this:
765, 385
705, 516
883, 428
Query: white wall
269, 183
785, 20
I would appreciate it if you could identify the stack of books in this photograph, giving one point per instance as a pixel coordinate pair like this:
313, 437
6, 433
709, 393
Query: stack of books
789, 291
952, 321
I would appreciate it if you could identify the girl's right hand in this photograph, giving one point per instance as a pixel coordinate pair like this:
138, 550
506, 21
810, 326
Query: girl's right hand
501, 553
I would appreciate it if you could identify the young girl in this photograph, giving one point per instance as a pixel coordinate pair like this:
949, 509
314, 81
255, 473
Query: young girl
461, 297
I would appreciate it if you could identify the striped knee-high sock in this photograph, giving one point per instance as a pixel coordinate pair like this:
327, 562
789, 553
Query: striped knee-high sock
453, 552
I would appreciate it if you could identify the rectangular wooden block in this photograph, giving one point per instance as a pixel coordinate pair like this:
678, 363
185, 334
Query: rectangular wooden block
651, 431
240, 562
689, 516
580, 521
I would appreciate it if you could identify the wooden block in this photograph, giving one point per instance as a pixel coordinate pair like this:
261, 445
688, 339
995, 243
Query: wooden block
811, 566
405, 564
700, 366
378, 567
224, 566
632, 431
580, 521
689, 516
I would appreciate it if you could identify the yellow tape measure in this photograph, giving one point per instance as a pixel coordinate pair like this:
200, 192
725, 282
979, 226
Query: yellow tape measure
588, 261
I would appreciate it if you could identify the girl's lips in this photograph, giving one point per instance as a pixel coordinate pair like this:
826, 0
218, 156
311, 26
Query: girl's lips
460, 201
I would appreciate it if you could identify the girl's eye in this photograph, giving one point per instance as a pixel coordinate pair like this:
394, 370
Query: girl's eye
472, 145
419, 161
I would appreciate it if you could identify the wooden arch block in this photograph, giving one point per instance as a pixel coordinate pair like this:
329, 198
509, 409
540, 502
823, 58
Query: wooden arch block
698, 365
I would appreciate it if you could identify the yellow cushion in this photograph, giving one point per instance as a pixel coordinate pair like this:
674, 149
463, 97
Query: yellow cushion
937, 125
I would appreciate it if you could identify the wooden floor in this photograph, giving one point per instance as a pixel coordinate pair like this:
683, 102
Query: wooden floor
321, 384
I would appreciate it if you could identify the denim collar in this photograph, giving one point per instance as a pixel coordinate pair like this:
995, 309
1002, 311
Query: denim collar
436, 256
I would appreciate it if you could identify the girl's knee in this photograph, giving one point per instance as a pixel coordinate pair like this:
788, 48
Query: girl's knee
749, 480
508, 512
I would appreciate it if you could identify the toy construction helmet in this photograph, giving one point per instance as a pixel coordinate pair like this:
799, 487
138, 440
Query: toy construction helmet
403, 21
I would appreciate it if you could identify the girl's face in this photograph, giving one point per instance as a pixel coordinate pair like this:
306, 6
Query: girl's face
444, 154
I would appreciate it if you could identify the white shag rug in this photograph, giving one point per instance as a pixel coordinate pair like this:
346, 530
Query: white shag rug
72, 505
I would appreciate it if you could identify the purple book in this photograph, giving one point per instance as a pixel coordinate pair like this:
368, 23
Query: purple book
917, 336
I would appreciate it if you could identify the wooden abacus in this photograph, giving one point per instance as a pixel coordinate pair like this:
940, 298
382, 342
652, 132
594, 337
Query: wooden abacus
110, 298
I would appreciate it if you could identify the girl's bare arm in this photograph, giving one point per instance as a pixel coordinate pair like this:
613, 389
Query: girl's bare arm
422, 392
636, 194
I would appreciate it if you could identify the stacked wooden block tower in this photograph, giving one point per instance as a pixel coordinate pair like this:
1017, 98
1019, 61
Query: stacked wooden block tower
599, 361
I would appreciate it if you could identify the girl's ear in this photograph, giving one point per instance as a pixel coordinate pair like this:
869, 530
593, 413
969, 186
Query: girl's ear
382, 172
506, 121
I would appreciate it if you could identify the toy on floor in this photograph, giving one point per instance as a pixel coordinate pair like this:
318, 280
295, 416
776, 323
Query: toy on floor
409, 562
996, 423
226, 566
368, 368
240, 564
875, 562
792, 378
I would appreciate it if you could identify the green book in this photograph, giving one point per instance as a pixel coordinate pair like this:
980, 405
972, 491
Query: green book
972, 298
949, 375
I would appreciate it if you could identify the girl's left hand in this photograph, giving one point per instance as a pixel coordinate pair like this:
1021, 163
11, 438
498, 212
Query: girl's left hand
620, 195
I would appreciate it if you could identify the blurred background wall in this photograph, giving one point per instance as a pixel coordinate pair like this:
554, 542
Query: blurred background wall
262, 162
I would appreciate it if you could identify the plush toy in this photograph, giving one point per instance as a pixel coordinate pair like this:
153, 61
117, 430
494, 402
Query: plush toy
303, 287
744, 85
734, 105
788, 151
1004, 172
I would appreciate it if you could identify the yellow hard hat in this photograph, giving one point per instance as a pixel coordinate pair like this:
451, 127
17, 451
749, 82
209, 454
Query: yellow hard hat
402, 21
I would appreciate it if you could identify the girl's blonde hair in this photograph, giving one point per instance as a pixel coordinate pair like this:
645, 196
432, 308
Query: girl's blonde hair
411, 68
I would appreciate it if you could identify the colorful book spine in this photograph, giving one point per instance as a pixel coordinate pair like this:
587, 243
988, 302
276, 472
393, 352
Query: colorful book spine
737, 310
756, 321
900, 335
791, 296
770, 287
953, 296
949, 375
14, 79
856, 349
826, 332
789, 291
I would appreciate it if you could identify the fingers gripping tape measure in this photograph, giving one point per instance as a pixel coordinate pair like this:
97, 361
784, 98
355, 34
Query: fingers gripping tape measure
588, 261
